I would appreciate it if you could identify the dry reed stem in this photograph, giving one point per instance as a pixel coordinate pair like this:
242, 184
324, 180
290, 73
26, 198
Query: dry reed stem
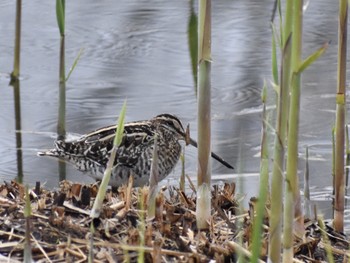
171, 235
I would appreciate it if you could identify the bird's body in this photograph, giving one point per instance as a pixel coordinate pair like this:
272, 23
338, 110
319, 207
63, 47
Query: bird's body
90, 152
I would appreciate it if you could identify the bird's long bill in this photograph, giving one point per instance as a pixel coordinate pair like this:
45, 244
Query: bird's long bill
214, 155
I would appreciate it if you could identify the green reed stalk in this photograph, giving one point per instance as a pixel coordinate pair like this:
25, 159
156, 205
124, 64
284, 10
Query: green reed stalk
15, 82
264, 184
60, 14
204, 121
292, 198
61, 123
142, 230
333, 164
91, 243
291, 185
279, 150
75, 63
326, 241
17, 55
333, 155
241, 256
96, 209
340, 118
347, 150
274, 64
280, 137
192, 34
62, 74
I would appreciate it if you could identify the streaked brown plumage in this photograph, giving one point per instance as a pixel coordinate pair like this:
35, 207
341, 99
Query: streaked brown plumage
90, 152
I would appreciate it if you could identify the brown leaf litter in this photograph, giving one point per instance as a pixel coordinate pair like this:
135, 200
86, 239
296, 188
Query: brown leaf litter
61, 228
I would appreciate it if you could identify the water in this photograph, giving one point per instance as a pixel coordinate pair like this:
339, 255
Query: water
139, 50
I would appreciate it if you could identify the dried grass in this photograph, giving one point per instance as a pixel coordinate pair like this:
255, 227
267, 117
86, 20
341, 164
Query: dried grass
60, 226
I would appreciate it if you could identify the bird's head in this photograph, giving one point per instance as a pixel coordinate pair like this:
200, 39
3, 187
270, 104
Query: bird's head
170, 123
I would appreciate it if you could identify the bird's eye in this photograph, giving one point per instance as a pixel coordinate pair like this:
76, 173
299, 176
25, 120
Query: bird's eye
171, 123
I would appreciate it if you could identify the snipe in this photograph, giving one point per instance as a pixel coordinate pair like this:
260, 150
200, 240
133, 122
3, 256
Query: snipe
90, 152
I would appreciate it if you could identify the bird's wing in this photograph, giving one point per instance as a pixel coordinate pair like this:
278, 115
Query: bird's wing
134, 141
103, 133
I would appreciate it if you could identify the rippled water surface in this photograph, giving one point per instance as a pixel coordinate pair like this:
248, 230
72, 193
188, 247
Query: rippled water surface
139, 50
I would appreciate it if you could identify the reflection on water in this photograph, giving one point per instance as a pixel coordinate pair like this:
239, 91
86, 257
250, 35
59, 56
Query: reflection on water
139, 50
15, 83
61, 124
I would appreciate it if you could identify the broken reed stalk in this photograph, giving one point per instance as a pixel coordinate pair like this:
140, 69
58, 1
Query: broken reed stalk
97, 207
240, 250
264, 184
326, 241
75, 63
17, 54
204, 116
183, 175
339, 185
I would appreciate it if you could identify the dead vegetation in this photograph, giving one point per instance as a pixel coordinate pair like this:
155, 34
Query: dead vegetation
61, 229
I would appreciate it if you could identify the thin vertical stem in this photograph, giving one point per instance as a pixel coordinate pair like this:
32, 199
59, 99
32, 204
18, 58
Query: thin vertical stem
16, 66
193, 41
280, 138
307, 203
263, 187
61, 122
62, 74
340, 118
279, 151
61, 125
204, 117
293, 135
